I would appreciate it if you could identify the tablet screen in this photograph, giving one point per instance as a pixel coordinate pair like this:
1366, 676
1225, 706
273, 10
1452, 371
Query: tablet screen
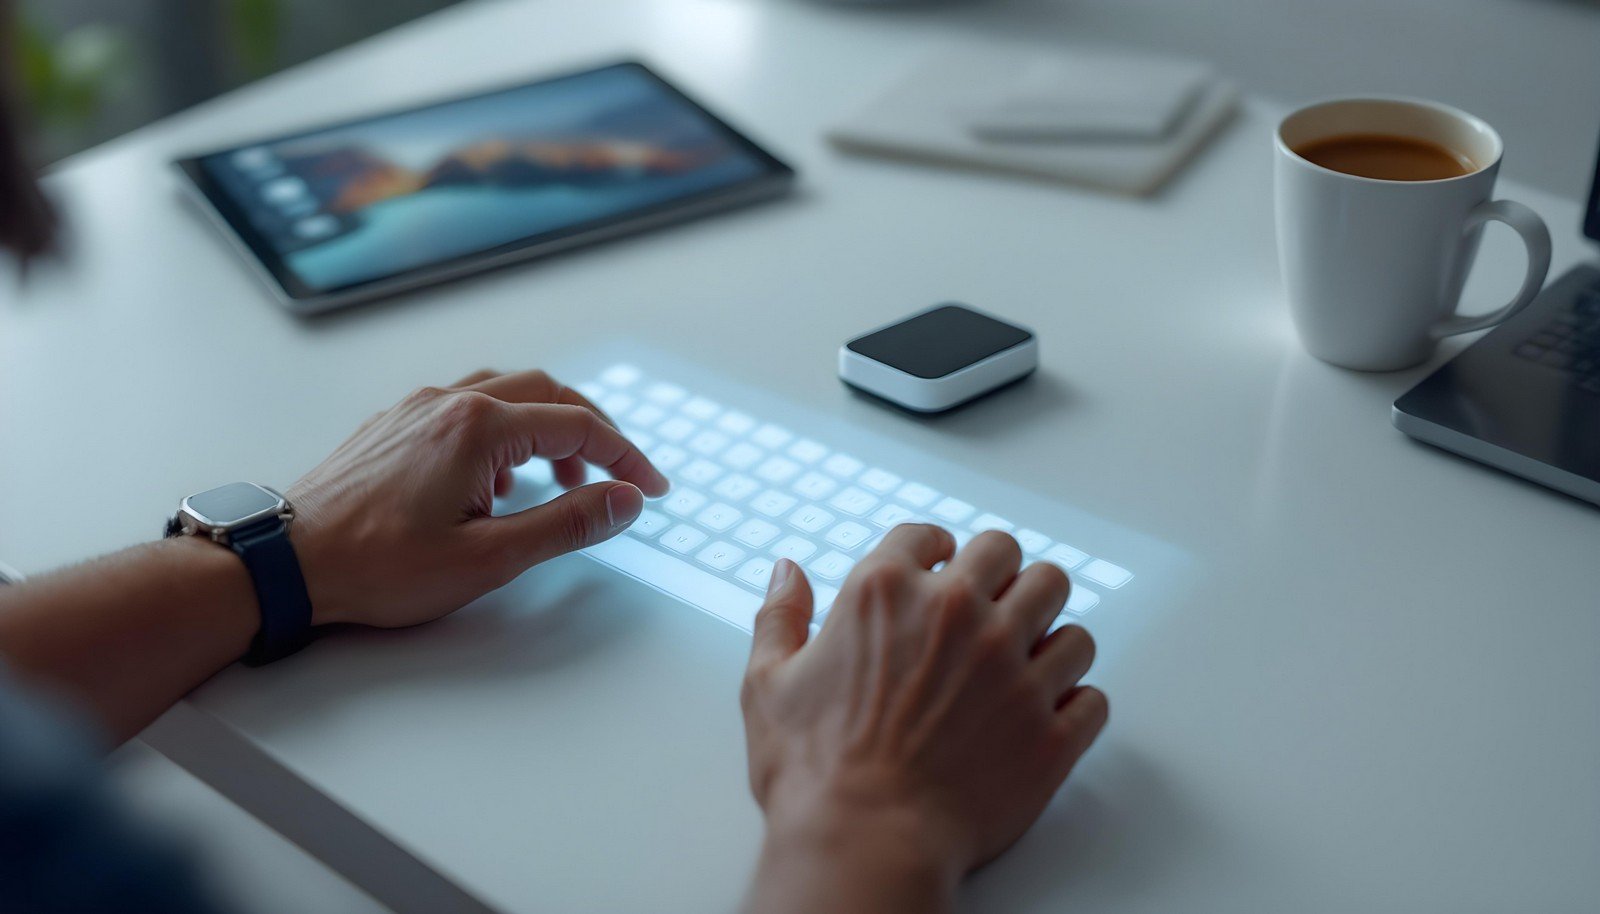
334, 208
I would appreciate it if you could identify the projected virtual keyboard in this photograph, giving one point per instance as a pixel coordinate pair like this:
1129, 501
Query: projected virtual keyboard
747, 491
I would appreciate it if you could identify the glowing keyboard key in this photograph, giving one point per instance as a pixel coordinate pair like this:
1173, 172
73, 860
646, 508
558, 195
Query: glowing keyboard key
1064, 555
793, 548
822, 597
719, 517
881, 481
985, 522
742, 456
778, 470
773, 503
649, 523
1081, 600
684, 502
735, 423
952, 510
815, 486
757, 573
849, 535
647, 415
616, 404
854, 501
668, 457
736, 487
620, 375
807, 451
810, 519
682, 539
708, 443
842, 465
721, 556
700, 472
700, 408
675, 429
830, 566
916, 495
756, 533
664, 393
891, 515
1032, 541
1106, 574
771, 437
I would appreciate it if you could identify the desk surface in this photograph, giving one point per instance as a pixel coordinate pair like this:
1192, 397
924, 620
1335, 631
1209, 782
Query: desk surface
1380, 689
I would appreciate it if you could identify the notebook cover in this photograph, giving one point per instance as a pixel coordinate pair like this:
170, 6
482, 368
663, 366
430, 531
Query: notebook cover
926, 116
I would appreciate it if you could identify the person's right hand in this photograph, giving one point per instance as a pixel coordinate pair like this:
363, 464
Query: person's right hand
921, 732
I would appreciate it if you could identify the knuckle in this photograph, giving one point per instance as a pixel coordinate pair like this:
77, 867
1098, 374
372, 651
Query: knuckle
883, 579
1000, 540
958, 603
1081, 641
1096, 706
465, 411
994, 643
1051, 576
961, 590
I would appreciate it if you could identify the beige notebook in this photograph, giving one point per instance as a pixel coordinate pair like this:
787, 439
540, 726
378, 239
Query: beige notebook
930, 115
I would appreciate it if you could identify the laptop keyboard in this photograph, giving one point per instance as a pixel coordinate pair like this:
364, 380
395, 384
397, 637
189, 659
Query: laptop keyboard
1570, 341
747, 491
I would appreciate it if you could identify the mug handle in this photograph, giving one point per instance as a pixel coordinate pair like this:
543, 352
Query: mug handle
1537, 238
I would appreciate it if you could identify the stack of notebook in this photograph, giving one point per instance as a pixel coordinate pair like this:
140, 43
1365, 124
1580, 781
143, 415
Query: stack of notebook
1116, 121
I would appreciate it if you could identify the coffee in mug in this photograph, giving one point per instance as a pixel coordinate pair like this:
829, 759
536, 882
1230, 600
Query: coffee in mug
1386, 157
1381, 203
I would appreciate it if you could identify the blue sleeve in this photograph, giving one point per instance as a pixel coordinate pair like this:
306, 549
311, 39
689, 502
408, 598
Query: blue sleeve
66, 844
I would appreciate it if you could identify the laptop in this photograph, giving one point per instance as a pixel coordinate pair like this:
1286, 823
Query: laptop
1526, 397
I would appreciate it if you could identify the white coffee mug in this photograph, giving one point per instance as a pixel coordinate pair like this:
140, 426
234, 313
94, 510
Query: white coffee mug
1374, 268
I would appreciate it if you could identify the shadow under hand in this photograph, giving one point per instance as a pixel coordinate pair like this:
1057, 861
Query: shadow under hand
1118, 827
555, 615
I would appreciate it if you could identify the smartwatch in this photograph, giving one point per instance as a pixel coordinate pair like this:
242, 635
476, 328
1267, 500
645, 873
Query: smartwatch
254, 521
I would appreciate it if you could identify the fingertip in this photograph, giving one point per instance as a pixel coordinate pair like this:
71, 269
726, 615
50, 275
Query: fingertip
782, 573
624, 501
658, 484
1088, 706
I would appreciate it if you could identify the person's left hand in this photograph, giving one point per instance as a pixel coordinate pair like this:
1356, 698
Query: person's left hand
394, 528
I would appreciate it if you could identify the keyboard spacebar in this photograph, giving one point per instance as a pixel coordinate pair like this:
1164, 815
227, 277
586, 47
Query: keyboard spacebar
728, 602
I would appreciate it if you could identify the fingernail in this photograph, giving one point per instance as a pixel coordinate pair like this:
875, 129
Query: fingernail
781, 573
623, 504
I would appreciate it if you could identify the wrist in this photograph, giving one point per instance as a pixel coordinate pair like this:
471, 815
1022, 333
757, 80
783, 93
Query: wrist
212, 579
868, 852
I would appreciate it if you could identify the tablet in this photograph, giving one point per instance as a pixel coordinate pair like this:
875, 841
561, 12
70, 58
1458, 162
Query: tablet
356, 210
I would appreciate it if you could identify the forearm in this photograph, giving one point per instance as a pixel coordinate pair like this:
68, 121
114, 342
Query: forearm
127, 635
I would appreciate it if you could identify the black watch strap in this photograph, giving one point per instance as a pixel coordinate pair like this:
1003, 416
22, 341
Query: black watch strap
280, 589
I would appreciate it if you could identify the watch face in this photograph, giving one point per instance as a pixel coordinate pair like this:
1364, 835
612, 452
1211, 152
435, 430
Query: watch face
231, 503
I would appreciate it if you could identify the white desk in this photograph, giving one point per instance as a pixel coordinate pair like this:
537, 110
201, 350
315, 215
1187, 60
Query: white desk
1381, 690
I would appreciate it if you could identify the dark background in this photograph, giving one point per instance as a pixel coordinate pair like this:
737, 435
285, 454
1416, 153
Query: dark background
93, 69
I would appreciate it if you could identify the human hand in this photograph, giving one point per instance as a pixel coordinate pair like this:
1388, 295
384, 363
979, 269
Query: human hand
394, 528
921, 732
